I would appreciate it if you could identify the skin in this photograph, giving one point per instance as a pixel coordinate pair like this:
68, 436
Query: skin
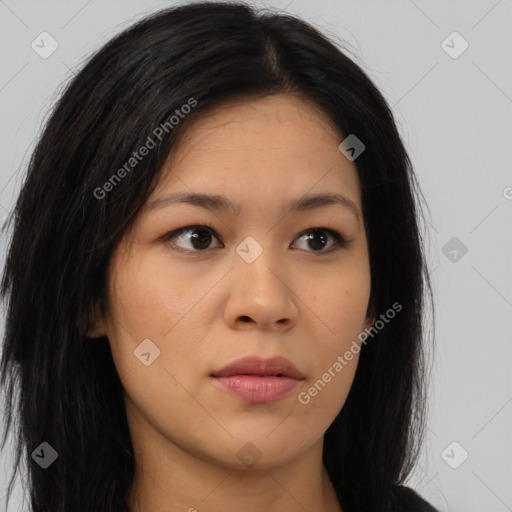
205, 309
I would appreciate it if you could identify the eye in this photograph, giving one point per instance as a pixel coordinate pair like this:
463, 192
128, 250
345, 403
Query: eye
317, 238
201, 237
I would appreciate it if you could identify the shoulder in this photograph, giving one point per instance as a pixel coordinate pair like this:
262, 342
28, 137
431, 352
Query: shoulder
404, 499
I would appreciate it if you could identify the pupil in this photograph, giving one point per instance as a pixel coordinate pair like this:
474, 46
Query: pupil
312, 240
203, 240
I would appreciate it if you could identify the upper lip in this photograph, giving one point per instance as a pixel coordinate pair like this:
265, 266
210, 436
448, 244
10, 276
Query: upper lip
253, 365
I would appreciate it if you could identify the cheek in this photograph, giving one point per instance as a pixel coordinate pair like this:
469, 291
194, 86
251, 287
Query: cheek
151, 297
341, 305
152, 300
336, 355
341, 302
327, 391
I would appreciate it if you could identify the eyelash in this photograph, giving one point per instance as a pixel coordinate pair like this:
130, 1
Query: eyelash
340, 241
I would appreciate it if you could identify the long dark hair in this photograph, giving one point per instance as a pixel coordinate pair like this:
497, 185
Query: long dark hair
61, 387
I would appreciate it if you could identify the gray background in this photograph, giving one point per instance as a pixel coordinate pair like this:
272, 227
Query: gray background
455, 117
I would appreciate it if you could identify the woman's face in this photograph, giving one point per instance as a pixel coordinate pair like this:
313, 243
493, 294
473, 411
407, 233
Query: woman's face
257, 280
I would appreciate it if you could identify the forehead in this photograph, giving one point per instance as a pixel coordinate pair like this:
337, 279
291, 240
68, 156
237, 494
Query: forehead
273, 146
279, 121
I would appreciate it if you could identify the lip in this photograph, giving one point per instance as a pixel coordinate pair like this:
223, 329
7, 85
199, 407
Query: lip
254, 365
259, 380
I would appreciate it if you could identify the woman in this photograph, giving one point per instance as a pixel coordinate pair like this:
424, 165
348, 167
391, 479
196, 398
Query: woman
215, 280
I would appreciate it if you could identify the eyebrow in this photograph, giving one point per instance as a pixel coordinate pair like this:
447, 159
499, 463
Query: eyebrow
214, 202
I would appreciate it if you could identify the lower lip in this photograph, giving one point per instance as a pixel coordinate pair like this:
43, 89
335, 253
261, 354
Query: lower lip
259, 389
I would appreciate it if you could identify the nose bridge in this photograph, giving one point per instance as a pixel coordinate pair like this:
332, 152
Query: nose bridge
257, 252
258, 264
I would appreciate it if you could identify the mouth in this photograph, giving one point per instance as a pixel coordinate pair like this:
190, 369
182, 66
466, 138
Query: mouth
256, 366
259, 380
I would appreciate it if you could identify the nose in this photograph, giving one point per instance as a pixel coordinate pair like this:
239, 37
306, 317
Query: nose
260, 291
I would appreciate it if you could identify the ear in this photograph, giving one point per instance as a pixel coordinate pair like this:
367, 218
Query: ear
95, 323
371, 316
